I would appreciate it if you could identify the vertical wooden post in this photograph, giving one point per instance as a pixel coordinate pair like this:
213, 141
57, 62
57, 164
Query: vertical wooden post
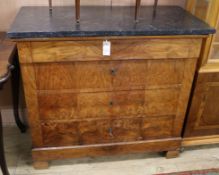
50, 5
77, 10
155, 4
137, 6
155, 7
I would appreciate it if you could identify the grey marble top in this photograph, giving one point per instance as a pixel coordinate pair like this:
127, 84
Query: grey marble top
37, 22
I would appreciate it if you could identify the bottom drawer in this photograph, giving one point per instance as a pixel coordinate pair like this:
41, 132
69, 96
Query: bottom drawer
106, 131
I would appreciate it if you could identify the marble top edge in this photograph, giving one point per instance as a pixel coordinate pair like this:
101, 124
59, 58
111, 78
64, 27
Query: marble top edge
37, 22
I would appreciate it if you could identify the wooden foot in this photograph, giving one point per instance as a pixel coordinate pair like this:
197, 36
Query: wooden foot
172, 154
40, 165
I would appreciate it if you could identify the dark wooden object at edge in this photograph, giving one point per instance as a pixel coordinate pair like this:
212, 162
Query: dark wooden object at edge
10, 55
15, 83
9, 67
2, 155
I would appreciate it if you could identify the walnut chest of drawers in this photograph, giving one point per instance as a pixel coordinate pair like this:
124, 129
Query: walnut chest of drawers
81, 103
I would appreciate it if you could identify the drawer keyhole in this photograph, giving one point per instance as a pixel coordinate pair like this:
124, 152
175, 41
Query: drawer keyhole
111, 132
111, 103
113, 71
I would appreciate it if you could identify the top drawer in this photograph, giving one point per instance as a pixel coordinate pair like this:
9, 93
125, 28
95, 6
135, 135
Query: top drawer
121, 49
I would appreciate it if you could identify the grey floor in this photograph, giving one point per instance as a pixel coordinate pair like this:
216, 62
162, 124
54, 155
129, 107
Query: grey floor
18, 148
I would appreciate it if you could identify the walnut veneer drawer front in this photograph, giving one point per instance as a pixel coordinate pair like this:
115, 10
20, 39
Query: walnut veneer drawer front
106, 131
67, 106
57, 51
109, 75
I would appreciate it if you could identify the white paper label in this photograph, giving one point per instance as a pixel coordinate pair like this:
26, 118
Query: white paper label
106, 48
